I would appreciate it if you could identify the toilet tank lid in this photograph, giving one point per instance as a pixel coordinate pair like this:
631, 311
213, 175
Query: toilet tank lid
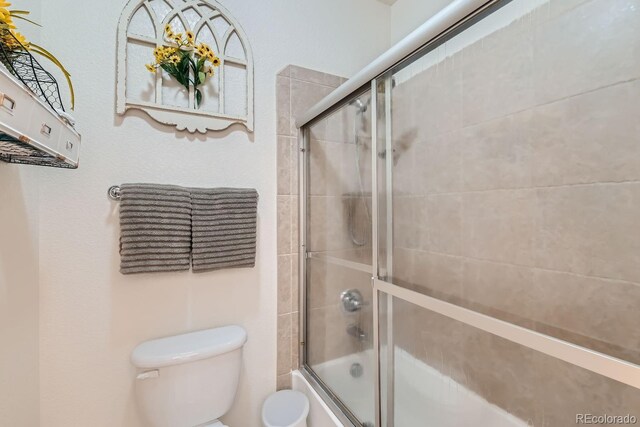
188, 347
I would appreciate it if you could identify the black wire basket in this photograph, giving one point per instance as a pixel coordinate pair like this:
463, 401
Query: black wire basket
17, 59
14, 151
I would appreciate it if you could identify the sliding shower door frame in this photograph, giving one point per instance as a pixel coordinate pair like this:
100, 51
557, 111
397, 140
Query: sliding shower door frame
382, 234
378, 128
375, 243
333, 401
325, 393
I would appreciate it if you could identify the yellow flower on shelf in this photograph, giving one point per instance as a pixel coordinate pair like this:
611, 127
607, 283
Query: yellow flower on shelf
21, 39
150, 68
14, 40
168, 30
6, 19
215, 61
174, 59
4, 13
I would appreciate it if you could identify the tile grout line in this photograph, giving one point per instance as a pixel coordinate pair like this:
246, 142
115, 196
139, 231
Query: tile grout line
314, 83
543, 104
524, 266
546, 187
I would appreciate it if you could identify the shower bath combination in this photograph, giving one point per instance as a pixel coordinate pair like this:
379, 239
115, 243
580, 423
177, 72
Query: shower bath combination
478, 275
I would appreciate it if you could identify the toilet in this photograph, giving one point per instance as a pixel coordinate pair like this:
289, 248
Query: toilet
285, 408
191, 379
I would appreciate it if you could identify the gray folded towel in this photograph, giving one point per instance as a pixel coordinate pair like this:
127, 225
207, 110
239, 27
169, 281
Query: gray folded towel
224, 222
155, 228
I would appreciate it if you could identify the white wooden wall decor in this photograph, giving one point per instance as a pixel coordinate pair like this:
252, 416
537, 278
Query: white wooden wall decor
228, 96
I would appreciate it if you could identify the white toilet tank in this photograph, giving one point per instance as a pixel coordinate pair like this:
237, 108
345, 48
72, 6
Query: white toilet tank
190, 379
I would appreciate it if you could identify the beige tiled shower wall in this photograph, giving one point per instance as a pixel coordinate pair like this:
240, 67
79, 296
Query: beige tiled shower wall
297, 89
517, 194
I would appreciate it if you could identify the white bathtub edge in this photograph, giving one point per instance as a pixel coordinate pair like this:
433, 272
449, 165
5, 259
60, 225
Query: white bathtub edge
319, 413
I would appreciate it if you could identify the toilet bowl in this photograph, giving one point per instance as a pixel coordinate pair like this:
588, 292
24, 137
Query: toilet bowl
191, 379
285, 408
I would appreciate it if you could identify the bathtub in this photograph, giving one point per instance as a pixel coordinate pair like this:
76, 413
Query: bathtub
319, 413
423, 395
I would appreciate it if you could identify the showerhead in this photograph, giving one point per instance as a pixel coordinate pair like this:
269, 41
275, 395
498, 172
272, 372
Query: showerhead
361, 106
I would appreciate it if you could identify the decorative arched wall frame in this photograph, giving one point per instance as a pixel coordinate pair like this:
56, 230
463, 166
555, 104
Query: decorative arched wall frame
228, 96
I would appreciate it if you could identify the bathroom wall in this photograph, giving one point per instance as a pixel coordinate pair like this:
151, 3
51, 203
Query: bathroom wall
19, 397
407, 15
91, 316
19, 272
516, 194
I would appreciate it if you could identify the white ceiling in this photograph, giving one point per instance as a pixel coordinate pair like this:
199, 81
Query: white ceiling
389, 2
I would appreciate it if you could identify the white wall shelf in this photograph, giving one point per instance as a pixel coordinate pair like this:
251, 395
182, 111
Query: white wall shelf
31, 132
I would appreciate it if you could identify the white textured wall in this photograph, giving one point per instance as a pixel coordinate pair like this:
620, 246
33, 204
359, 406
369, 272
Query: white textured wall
18, 295
407, 15
19, 400
91, 316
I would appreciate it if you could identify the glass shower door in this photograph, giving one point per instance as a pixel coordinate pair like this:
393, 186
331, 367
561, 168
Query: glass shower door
514, 189
503, 234
339, 316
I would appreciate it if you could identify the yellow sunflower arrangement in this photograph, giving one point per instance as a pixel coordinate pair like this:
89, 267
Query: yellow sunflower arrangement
189, 63
13, 41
